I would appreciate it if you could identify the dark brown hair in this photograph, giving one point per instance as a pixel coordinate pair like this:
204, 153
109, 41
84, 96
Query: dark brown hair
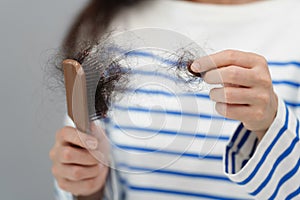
85, 34
90, 24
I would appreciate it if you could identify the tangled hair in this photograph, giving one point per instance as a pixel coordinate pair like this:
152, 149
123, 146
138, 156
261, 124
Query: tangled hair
85, 33
106, 75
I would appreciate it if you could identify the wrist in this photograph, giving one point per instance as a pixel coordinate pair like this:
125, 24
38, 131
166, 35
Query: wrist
274, 106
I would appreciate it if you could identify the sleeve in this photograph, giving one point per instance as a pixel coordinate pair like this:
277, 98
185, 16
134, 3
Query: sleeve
61, 194
111, 190
270, 169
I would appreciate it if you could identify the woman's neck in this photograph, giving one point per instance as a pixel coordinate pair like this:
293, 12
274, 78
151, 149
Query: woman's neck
224, 1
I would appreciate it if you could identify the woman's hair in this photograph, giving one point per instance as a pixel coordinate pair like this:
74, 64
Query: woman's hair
90, 25
84, 35
84, 43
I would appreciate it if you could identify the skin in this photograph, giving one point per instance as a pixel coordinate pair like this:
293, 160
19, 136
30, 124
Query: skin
75, 166
247, 95
225, 2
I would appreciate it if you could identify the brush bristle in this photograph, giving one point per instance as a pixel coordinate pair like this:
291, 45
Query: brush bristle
104, 75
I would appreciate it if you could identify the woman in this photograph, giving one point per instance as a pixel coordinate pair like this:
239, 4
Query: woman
262, 155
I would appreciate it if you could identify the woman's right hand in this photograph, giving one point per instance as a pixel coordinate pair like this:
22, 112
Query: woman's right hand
76, 170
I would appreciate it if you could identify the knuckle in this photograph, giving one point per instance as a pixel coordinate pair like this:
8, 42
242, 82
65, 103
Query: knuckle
67, 154
62, 134
77, 173
263, 98
262, 60
52, 154
228, 95
267, 83
212, 94
259, 114
264, 81
233, 74
230, 54
58, 134
54, 171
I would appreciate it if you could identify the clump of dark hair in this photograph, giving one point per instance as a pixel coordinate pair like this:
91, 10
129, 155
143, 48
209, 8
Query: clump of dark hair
84, 34
105, 76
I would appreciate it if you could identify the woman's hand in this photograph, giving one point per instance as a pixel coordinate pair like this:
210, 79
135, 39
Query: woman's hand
76, 170
247, 94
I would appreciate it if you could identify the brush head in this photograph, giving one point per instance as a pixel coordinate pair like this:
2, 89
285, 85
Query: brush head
105, 77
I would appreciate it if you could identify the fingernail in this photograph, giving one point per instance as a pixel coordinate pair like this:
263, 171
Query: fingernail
92, 143
195, 67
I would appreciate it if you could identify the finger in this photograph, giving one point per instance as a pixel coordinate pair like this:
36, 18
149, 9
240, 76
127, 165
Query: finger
232, 95
102, 153
234, 111
84, 187
225, 58
72, 155
78, 173
231, 75
69, 135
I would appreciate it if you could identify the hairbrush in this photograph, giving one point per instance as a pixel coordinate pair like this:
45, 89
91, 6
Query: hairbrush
76, 94
90, 86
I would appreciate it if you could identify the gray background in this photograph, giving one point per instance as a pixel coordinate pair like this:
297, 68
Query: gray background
31, 32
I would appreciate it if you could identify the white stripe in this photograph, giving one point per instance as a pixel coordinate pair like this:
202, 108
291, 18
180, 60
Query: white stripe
162, 161
290, 185
285, 166
186, 184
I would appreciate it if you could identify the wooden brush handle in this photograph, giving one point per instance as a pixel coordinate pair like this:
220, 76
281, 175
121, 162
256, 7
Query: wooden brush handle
76, 94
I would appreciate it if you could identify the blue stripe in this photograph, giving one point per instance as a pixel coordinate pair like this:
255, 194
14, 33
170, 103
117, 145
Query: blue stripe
180, 193
174, 173
156, 74
230, 145
168, 94
292, 104
297, 128
267, 152
170, 132
197, 95
175, 62
296, 193
170, 112
282, 82
240, 144
151, 55
285, 178
174, 153
152, 92
274, 167
176, 79
274, 63
251, 153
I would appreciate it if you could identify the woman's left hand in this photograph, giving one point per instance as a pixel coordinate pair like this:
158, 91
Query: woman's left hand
247, 94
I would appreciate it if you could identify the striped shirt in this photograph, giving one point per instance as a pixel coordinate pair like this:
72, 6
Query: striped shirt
171, 144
